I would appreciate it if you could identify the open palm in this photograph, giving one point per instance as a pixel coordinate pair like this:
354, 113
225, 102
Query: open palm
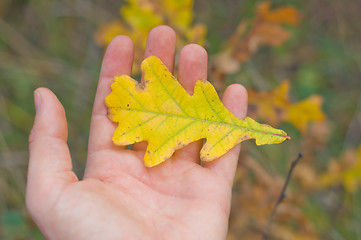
119, 198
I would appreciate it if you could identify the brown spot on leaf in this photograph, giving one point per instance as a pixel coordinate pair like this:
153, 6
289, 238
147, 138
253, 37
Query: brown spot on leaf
244, 137
179, 144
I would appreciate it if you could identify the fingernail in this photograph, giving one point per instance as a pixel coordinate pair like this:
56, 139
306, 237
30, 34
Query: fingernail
37, 100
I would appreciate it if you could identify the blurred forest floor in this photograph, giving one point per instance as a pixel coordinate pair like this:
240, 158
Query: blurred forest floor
300, 61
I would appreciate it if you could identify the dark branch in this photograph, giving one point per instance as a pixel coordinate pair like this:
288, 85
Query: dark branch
282, 195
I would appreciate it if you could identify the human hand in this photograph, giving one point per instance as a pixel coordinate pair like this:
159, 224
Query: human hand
119, 198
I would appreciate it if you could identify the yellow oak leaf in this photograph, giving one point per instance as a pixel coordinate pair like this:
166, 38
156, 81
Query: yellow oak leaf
265, 29
284, 14
345, 171
108, 31
162, 113
267, 34
275, 107
248, 38
140, 16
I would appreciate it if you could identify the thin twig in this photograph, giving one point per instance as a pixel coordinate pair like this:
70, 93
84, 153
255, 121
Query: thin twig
282, 195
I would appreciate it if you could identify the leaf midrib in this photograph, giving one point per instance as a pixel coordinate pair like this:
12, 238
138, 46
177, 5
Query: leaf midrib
201, 120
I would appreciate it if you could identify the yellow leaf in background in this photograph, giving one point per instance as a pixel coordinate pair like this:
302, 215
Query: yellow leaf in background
141, 16
267, 34
346, 171
108, 31
265, 29
197, 34
180, 11
286, 14
308, 110
162, 113
275, 107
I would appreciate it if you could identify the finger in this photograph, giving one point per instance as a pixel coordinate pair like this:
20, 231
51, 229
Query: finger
235, 98
117, 61
192, 67
50, 167
161, 42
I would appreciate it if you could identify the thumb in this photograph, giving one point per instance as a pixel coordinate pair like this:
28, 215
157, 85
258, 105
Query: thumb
50, 167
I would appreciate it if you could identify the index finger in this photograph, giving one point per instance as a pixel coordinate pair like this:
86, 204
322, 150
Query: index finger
118, 60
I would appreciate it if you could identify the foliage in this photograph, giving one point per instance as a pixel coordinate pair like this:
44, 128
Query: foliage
51, 43
161, 112
140, 16
275, 107
345, 171
265, 29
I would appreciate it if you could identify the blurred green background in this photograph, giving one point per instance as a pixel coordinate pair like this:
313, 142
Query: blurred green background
50, 43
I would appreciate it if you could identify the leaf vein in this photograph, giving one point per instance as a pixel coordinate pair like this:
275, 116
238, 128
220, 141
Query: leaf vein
132, 95
172, 136
221, 139
140, 124
204, 120
166, 90
205, 97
